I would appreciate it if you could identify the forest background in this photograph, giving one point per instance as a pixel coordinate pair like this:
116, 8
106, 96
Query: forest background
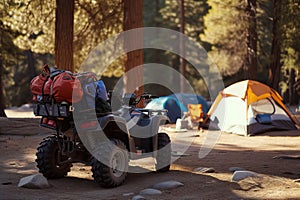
250, 39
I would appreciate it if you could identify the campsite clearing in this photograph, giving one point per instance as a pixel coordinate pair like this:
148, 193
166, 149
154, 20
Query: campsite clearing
17, 160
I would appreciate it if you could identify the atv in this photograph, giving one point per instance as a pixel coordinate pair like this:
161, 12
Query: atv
107, 140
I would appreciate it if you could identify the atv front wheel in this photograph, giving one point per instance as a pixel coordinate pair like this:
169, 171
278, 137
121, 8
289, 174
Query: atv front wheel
48, 159
112, 170
163, 157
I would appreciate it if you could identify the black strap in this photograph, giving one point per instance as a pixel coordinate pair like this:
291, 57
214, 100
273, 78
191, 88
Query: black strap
43, 92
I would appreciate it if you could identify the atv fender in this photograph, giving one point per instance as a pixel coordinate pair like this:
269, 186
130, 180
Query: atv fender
147, 129
115, 127
118, 121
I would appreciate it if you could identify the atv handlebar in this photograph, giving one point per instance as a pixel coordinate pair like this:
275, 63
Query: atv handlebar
132, 100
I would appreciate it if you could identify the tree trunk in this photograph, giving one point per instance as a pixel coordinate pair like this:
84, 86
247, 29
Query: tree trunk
274, 70
251, 56
292, 92
31, 71
133, 18
64, 28
182, 47
2, 100
157, 24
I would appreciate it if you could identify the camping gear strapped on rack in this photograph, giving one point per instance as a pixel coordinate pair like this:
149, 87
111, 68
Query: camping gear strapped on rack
54, 85
56, 91
249, 107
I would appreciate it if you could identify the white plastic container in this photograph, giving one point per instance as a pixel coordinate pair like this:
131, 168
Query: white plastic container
181, 124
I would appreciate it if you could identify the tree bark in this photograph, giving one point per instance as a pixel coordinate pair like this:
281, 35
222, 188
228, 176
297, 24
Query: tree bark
64, 29
251, 56
182, 47
275, 66
31, 71
293, 100
2, 100
133, 18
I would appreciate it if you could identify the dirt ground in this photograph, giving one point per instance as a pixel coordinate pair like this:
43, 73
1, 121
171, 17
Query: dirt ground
19, 138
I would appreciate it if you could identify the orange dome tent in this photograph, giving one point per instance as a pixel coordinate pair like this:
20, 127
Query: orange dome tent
250, 107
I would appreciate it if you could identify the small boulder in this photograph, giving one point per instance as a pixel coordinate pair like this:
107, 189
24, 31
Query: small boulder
138, 197
150, 191
167, 185
35, 181
240, 175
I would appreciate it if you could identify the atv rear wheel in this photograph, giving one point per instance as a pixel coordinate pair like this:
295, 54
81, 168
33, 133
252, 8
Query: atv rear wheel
48, 159
112, 170
163, 157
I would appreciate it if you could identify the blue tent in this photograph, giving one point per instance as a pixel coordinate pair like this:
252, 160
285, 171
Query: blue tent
176, 104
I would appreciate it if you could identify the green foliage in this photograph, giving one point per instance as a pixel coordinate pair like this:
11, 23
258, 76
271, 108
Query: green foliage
194, 11
290, 26
94, 21
264, 16
34, 21
226, 31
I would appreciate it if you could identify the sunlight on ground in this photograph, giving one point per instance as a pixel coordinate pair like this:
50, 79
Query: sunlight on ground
255, 188
19, 167
19, 113
142, 165
80, 170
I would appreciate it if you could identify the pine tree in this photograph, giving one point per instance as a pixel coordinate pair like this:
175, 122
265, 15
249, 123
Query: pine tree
275, 64
251, 55
133, 18
290, 50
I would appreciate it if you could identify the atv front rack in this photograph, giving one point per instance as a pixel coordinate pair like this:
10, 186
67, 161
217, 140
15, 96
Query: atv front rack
63, 109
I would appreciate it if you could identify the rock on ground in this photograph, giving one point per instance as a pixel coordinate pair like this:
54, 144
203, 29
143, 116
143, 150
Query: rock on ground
35, 181
166, 185
240, 175
138, 197
150, 191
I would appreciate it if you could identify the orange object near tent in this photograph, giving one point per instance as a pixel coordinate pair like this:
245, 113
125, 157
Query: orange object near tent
238, 107
196, 113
